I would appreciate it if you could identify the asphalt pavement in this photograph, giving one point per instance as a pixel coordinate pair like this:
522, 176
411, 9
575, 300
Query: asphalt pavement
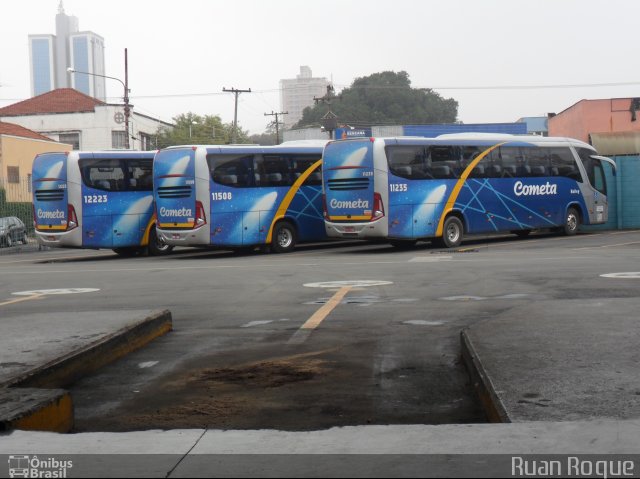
558, 366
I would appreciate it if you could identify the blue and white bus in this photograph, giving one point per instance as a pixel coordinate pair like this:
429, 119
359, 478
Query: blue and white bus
240, 196
96, 199
408, 189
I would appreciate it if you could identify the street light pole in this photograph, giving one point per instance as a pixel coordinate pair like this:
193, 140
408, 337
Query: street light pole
125, 84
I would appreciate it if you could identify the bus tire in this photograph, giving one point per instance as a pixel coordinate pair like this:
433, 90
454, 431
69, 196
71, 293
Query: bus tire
452, 232
572, 222
157, 247
284, 237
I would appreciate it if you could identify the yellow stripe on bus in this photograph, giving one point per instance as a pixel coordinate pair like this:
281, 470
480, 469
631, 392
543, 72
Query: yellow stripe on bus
286, 202
176, 225
349, 218
145, 238
456, 190
41, 229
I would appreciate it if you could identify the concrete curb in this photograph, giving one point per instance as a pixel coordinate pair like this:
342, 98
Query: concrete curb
36, 401
491, 403
67, 369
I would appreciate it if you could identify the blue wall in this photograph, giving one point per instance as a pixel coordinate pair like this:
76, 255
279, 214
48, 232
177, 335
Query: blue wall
623, 191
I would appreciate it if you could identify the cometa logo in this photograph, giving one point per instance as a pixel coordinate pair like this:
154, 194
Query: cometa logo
179, 213
50, 215
521, 189
360, 204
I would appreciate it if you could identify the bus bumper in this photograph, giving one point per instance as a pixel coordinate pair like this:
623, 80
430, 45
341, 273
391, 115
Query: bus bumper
185, 237
67, 239
374, 229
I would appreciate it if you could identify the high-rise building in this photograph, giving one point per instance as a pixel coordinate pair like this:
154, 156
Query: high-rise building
298, 93
51, 56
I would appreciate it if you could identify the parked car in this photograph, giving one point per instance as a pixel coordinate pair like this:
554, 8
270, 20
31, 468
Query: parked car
12, 230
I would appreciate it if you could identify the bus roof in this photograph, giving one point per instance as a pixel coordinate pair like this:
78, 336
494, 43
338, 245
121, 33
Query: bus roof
476, 138
298, 145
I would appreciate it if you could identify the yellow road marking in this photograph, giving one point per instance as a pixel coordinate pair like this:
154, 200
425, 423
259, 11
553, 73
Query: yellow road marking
314, 321
19, 300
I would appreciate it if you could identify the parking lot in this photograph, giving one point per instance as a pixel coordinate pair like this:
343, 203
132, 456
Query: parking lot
330, 335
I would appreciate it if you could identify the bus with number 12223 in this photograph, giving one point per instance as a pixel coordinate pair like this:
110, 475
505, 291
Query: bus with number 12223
240, 196
96, 199
439, 189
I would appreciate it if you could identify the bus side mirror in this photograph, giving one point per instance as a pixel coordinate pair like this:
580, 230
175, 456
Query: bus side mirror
611, 162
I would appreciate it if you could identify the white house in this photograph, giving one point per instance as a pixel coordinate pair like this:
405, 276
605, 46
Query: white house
69, 116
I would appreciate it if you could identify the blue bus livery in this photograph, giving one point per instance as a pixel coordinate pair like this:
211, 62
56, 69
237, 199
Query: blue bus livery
406, 189
96, 200
240, 196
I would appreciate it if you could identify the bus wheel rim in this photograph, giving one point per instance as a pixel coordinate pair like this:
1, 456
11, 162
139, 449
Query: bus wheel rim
284, 238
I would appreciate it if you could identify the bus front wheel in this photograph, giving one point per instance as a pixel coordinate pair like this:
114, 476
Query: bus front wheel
572, 222
284, 238
452, 232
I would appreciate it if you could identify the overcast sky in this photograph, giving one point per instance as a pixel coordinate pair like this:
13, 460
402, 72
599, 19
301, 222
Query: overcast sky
182, 53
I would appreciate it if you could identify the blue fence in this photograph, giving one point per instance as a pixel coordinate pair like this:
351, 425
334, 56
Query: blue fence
623, 191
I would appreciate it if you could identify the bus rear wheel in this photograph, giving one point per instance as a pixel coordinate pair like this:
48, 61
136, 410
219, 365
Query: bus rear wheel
284, 238
572, 222
157, 246
452, 233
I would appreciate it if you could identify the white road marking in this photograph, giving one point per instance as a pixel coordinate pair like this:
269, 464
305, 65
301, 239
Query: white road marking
148, 364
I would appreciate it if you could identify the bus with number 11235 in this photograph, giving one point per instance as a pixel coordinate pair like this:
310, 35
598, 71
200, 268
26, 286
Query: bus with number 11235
440, 189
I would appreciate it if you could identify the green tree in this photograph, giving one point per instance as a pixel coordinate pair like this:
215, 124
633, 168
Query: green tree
384, 98
192, 129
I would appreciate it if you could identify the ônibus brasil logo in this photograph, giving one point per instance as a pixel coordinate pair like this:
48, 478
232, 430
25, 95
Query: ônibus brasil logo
33, 466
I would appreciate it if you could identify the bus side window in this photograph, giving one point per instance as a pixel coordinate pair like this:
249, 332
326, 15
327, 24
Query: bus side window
563, 163
300, 164
231, 171
273, 170
445, 161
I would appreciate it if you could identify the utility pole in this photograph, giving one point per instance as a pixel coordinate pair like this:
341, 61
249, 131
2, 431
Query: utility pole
330, 120
235, 115
127, 110
277, 123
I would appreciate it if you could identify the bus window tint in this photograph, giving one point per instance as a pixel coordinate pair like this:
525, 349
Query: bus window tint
594, 170
272, 170
233, 171
409, 162
563, 163
444, 161
537, 161
300, 164
140, 175
106, 175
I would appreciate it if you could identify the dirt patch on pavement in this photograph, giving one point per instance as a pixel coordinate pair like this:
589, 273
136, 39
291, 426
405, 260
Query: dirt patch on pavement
308, 391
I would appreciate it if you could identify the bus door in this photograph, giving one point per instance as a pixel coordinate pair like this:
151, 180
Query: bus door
348, 181
131, 210
597, 201
50, 193
101, 179
235, 203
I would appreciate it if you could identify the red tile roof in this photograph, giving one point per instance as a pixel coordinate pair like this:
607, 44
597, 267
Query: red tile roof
62, 100
17, 130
